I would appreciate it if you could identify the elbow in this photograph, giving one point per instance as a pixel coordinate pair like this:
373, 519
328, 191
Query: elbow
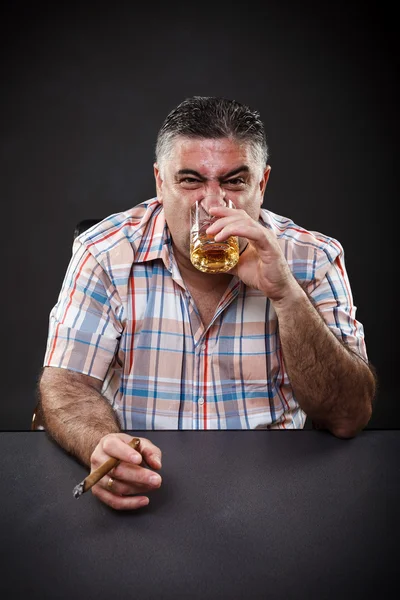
359, 416
352, 426
344, 433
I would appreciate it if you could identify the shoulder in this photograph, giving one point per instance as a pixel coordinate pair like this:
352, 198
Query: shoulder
120, 230
299, 240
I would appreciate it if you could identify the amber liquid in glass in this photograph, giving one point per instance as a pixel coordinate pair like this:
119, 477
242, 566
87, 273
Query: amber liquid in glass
213, 257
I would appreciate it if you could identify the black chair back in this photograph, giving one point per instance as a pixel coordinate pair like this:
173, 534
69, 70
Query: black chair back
83, 225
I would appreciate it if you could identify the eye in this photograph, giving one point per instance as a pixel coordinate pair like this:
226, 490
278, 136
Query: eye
189, 182
235, 182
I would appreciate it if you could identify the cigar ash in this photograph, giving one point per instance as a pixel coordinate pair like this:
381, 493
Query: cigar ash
78, 490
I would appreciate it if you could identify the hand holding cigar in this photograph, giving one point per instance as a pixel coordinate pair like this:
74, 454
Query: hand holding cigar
98, 473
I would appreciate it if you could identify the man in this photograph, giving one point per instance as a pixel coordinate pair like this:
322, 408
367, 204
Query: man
140, 339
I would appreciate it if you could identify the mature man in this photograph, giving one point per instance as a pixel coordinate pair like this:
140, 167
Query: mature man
140, 339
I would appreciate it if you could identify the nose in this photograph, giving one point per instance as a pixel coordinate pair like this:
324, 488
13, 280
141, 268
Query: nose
214, 196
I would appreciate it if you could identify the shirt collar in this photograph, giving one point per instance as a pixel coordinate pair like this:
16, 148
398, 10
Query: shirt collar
155, 240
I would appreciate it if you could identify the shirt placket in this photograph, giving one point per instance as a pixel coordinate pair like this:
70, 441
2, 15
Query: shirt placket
199, 367
202, 358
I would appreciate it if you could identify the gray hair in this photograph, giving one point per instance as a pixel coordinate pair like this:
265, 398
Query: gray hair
208, 117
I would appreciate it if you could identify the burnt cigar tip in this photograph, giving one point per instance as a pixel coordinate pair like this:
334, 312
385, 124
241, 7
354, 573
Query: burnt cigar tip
78, 490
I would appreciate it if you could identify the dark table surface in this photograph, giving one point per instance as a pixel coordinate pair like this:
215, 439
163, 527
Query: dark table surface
240, 514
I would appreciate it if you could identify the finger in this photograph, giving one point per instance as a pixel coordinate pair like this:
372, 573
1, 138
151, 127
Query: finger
219, 211
251, 231
134, 475
151, 453
119, 502
106, 449
218, 224
124, 488
116, 446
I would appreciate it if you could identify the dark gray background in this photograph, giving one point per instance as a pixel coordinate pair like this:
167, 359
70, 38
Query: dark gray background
85, 88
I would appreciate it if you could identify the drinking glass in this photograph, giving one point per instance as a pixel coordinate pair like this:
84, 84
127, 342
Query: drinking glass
206, 254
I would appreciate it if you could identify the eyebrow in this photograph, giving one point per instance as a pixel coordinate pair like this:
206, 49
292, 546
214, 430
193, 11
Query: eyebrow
241, 169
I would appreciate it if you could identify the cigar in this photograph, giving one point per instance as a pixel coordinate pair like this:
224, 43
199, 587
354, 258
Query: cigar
105, 468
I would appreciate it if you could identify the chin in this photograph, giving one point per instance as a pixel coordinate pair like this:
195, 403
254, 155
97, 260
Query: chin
182, 248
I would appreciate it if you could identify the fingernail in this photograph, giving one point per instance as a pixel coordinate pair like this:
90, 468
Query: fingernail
136, 458
156, 460
155, 480
144, 502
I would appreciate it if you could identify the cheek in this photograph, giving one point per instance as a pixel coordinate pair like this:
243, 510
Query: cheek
178, 205
177, 217
251, 207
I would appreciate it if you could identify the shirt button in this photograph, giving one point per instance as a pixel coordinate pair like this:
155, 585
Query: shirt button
201, 401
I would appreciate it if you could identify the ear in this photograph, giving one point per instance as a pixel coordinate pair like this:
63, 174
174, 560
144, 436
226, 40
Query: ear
159, 182
264, 181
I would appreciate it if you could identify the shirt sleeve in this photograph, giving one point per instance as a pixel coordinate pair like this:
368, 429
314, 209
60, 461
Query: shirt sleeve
332, 295
84, 327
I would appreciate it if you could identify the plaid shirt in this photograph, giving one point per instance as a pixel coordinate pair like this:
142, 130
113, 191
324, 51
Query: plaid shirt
124, 316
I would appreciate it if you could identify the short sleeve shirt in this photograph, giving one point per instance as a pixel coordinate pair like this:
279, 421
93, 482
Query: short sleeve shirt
125, 317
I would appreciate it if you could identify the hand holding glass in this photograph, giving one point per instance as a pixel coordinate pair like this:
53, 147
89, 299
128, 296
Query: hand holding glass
206, 254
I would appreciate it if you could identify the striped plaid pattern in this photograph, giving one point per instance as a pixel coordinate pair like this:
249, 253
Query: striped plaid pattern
124, 316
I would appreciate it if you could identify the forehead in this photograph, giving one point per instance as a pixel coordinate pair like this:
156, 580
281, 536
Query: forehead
209, 154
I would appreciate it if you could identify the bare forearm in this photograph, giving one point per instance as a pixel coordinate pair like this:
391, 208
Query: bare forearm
76, 414
333, 385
